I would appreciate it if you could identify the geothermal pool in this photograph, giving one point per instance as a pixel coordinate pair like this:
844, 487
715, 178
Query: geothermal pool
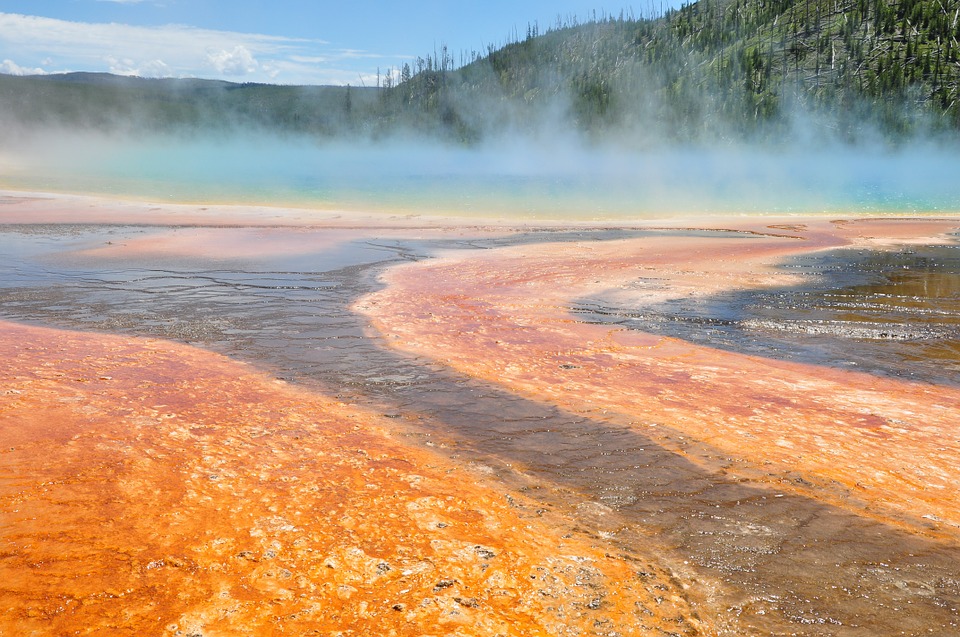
292, 420
560, 177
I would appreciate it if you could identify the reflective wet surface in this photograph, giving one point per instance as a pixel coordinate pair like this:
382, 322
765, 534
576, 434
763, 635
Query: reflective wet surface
757, 559
892, 312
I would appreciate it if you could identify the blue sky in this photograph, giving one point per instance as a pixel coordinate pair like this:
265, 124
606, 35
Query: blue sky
284, 41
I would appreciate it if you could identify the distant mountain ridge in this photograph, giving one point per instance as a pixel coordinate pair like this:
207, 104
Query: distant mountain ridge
713, 70
87, 77
101, 101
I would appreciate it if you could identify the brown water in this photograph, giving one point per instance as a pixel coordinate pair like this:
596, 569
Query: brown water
891, 312
907, 312
758, 560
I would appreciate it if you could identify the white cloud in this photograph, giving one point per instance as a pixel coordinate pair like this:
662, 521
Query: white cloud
314, 59
10, 67
127, 66
357, 53
236, 62
174, 50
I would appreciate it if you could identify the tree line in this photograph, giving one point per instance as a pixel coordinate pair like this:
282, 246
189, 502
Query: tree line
714, 67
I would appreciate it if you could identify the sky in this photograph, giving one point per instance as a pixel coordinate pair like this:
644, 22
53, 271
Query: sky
281, 42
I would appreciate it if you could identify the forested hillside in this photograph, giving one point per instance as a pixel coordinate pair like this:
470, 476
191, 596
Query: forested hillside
713, 70
129, 104
721, 68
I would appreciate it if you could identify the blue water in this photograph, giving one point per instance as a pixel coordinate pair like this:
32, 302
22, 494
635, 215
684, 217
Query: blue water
524, 180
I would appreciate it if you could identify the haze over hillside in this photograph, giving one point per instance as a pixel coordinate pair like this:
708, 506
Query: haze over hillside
718, 69
740, 105
713, 70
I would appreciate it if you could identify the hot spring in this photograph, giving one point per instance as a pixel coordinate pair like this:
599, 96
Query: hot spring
543, 179
782, 444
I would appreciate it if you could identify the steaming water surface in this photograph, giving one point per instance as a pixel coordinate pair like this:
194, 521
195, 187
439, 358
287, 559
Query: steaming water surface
543, 179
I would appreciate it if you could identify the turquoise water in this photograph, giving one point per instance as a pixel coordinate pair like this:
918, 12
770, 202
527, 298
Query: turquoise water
526, 180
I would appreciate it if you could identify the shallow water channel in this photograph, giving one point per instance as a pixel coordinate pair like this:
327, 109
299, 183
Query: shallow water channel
759, 561
891, 312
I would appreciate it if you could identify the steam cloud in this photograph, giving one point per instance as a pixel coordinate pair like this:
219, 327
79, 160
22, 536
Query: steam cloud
540, 167
562, 177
